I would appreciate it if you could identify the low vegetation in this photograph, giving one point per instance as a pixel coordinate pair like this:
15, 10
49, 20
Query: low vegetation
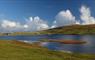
74, 29
16, 50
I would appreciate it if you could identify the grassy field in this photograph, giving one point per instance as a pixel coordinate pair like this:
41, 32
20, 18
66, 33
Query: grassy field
15, 50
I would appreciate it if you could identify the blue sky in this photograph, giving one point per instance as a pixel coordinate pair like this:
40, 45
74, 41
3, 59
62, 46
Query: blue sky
46, 9
19, 10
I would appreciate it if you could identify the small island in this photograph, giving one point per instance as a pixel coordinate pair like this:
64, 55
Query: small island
65, 41
69, 41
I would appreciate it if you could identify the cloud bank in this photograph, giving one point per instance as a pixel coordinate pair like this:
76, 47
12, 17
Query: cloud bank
63, 18
32, 24
36, 24
10, 26
86, 16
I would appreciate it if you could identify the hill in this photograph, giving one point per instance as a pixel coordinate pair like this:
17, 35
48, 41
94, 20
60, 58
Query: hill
16, 50
73, 29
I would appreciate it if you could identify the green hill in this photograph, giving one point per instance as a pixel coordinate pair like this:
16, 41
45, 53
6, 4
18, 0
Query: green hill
15, 50
73, 29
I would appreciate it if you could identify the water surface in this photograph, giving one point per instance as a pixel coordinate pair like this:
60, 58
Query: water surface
89, 47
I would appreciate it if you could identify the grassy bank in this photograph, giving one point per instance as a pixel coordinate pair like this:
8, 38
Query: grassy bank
15, 50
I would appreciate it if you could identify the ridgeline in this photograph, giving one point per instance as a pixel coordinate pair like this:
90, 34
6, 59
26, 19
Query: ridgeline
73, 29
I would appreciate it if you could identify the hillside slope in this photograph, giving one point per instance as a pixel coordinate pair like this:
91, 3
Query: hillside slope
15, 50
74, 29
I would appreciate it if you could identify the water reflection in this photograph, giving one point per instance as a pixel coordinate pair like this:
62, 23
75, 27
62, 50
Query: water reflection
89, 47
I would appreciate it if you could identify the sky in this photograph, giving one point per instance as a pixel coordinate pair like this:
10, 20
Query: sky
35, 15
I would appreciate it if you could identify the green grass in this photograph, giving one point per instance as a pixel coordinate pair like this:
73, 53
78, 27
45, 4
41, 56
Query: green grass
15, 50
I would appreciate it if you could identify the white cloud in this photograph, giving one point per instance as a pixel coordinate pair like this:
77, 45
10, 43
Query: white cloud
85, 16
36, 24
64, 18
26, 26
32, 24
10, 26
78, 23
54, 24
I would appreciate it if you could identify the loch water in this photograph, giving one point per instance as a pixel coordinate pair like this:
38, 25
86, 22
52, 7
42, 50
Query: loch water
88, 47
